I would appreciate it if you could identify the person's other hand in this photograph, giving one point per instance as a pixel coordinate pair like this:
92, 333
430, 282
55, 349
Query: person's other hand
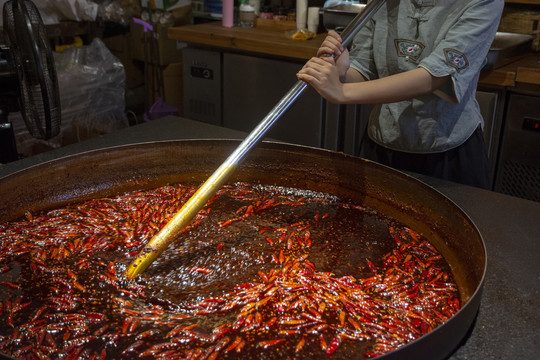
331, 47
323, 75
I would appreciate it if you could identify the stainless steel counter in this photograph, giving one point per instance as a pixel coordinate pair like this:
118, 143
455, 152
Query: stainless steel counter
506, 326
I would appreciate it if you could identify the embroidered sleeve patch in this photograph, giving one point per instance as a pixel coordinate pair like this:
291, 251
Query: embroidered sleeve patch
409, 49
456, 59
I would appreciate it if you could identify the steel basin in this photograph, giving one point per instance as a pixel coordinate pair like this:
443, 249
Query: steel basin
116, 170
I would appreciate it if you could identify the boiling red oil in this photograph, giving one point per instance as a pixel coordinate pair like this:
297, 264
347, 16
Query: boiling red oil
262, 272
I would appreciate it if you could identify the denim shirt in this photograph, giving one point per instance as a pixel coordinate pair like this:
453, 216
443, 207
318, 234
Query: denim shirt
445, 37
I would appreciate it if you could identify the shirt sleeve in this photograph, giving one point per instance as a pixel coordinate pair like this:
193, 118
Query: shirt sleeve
461, 50
361, 52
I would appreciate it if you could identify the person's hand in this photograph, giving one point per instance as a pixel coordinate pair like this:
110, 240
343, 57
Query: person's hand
331, 46
323, 75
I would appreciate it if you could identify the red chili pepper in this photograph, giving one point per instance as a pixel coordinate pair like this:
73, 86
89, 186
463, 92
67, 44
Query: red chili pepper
267, 343
201, 270
322, 342
9, 284
334, 344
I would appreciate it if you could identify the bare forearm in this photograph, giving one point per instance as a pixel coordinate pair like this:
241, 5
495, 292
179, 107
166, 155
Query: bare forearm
393, 88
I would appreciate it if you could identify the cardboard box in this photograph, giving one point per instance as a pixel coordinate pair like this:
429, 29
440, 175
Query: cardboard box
174, 86
168, 51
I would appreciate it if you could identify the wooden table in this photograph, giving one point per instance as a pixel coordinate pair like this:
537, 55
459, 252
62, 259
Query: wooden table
264, 40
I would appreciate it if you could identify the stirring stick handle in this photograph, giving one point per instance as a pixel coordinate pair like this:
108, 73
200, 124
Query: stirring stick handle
174, 227
181, 219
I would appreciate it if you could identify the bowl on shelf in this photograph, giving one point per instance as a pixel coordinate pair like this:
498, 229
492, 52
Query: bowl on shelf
507, 48
339, 16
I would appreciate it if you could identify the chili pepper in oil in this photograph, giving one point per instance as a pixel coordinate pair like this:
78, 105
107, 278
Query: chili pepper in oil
79, 304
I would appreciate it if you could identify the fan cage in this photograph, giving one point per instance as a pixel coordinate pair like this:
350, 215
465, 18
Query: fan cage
33, 62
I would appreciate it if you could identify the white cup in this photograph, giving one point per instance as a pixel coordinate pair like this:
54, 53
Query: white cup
313, 18
301, 13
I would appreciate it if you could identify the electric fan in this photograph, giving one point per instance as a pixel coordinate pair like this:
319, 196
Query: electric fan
28, 81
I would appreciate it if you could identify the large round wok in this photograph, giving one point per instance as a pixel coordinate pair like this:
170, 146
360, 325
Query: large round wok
116, 170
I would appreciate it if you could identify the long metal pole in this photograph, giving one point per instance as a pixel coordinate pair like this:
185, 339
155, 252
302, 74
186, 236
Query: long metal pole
181, 219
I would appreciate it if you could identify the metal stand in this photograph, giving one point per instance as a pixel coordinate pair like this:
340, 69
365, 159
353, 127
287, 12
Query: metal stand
8, 146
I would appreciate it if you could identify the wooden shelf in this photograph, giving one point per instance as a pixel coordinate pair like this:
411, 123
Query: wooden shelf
525, 70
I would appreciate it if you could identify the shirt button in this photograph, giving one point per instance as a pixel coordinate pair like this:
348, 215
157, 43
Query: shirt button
406, 58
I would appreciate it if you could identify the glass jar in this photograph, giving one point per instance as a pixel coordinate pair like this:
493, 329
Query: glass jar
247, 16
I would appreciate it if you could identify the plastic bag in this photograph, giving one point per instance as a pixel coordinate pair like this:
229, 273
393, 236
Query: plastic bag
118, 11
